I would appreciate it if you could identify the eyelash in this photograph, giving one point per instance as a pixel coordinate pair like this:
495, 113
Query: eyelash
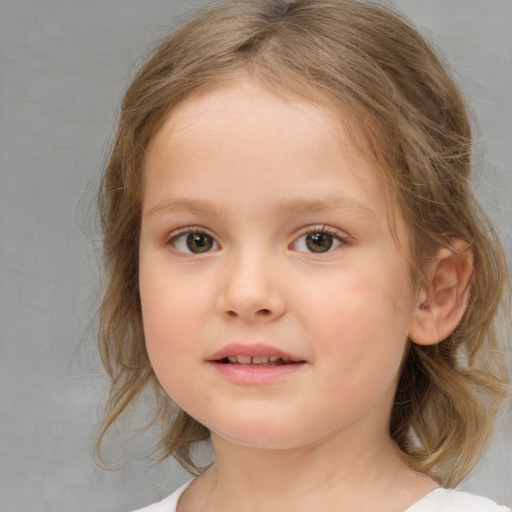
323, 230
338, 240
185, 232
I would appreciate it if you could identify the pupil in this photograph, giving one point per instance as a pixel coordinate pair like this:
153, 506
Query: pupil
319, 242
199, 242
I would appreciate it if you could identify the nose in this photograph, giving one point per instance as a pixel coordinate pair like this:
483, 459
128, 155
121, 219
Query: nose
251, 290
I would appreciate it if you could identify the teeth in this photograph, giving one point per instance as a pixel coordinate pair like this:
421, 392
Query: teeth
262, 360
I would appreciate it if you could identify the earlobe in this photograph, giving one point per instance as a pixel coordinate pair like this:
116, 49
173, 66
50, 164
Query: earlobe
442, 303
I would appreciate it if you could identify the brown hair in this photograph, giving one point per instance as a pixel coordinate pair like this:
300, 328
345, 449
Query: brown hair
369, 62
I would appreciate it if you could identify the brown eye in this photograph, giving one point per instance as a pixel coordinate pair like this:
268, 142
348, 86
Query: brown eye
194, 243
199, 242
319, 242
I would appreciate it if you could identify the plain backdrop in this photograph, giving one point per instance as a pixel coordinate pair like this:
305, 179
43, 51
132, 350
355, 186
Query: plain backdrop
64, 66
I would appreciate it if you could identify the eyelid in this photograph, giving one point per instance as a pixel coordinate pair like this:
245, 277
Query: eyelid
186, 230
171, 238
324, 228
341, 236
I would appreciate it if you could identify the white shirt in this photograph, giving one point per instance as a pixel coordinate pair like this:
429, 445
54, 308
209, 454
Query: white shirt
438, 500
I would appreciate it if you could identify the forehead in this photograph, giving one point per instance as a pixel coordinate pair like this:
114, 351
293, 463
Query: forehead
240, 126
238, 99
230, 103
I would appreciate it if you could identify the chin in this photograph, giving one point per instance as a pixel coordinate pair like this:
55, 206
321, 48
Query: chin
263, 436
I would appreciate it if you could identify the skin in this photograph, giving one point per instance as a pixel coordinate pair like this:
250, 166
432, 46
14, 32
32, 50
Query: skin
255, 173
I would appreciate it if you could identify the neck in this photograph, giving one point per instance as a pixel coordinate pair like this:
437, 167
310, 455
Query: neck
327, 475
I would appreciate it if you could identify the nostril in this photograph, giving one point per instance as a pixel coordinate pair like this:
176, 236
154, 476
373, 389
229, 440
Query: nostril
232, 314
263, 312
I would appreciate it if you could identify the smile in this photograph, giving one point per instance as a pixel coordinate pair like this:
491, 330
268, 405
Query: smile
254, 364
253, 354
256, 360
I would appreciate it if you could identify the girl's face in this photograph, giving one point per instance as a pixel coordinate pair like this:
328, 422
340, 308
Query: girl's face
275, 300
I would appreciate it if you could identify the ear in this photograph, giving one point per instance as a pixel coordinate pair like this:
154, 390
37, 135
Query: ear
442, 303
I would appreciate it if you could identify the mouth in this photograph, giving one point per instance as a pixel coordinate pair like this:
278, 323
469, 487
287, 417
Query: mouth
257, 355
255, 364
265, 361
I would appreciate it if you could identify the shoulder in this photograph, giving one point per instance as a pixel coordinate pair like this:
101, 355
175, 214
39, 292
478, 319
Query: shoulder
168, 504
449, 500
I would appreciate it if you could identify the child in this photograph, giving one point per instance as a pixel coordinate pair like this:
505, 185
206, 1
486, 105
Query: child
296, 265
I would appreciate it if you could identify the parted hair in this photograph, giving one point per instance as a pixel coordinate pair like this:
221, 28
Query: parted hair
371, 64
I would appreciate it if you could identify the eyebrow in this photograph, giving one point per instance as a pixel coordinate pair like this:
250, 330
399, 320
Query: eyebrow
307, 205
296, 205
183, 204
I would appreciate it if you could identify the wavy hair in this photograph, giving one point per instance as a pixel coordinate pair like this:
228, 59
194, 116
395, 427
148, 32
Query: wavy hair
369, 62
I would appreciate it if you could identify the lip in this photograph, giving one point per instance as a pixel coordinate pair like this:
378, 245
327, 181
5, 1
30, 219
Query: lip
251, 374
254, 349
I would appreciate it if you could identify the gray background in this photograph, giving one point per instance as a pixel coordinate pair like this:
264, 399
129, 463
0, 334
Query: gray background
64, 66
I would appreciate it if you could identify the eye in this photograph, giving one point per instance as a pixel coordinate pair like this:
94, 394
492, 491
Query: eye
318, 241
195, 242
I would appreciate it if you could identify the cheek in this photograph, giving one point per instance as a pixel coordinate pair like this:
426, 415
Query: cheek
170, 298
362, 328
169, 343
170, 313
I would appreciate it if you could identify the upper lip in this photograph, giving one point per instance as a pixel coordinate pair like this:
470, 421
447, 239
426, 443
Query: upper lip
255, 349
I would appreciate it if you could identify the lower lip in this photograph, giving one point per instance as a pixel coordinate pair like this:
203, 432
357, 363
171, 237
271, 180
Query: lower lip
247, 374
